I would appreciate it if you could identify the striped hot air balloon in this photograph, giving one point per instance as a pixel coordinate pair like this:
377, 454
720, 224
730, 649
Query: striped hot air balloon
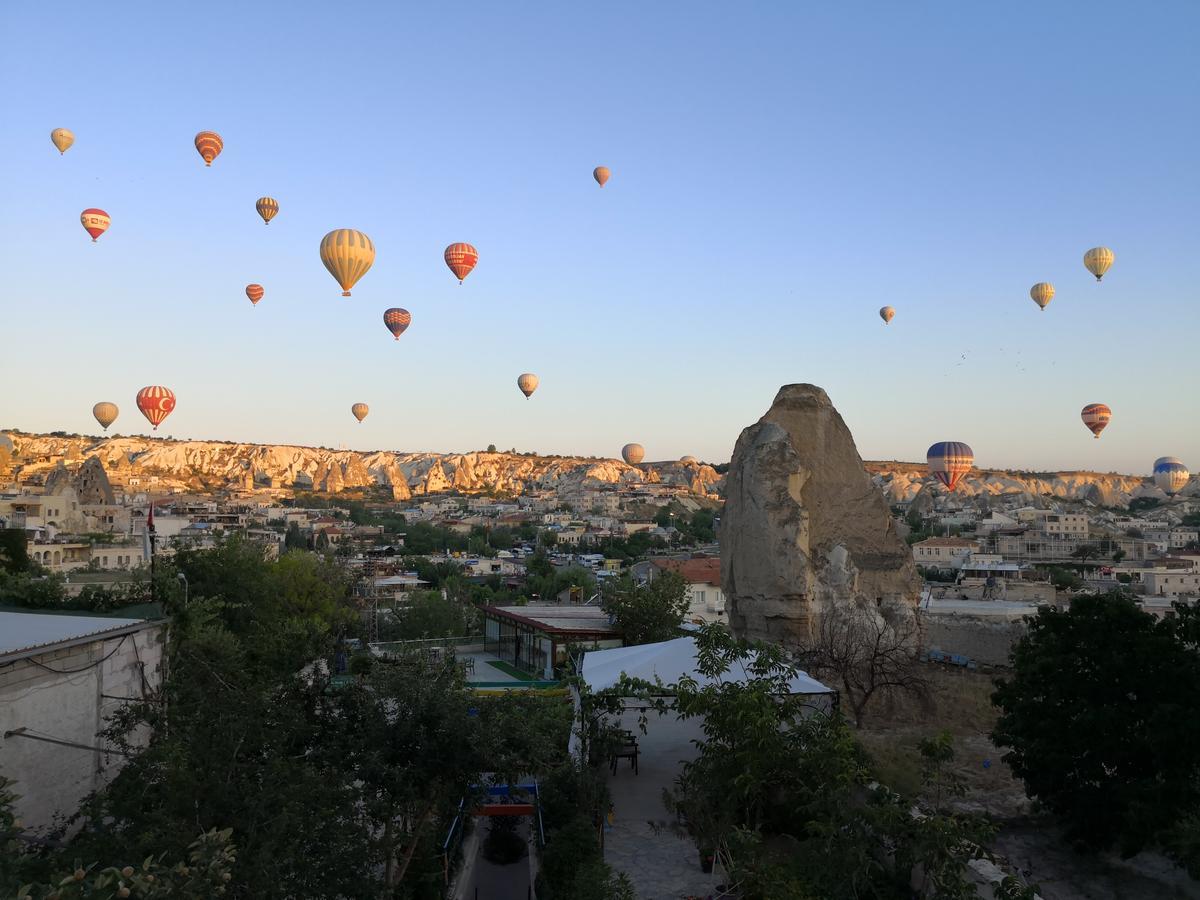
156, 403
62, 138
1042, 293
1095, 418
1170, 474
461, 258
633, 453
1098, 260
209, 146
949, 461
255, 293
601, 173
267, 208
348, 255
106, 413
397, 321
887, 313
95, 222
527, 383
359, 411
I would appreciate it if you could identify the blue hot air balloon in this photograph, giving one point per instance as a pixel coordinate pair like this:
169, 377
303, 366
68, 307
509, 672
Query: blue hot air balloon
949, 461
1170, 474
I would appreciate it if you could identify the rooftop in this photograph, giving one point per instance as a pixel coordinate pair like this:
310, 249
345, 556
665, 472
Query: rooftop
21, 632
705, 570
557, 618
945, 542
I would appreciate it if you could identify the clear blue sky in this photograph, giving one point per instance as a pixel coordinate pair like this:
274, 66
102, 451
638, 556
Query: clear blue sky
780, 171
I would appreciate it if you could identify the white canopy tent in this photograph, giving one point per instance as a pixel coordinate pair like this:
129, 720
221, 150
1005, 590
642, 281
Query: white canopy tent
668, 661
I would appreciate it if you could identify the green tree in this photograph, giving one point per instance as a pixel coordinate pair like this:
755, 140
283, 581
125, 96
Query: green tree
1101, 716
14, 553
1084, 552
649, 612
430, 615
293, 539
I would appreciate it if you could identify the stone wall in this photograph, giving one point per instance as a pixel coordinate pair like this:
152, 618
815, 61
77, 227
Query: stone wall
985, 642
60, 694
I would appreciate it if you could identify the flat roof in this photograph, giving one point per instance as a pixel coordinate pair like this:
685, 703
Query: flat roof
21, 632
558, 619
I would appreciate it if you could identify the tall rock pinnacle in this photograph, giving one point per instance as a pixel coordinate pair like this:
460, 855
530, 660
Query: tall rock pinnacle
803, 525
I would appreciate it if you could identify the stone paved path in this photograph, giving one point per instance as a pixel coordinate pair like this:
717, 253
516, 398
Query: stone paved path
662, 866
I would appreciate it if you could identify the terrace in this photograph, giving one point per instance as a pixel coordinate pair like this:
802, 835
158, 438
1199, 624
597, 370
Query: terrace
485, 671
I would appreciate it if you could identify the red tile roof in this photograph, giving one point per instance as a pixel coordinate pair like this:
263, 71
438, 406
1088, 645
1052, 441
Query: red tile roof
706, 570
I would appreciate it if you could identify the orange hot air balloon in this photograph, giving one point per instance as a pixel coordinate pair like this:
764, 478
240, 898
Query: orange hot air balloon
397, 320
601, 173
255, 293
1095, 418
359, 411
95, 222
461, 259
209, 146
267, 208
156, 403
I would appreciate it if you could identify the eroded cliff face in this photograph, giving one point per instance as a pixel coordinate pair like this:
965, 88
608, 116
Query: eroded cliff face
804, 526
214, 465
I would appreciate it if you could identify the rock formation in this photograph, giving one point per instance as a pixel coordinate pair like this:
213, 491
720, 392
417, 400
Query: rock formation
804, 525
91, 483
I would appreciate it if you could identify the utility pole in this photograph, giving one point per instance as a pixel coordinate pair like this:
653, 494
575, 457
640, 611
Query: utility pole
151, 541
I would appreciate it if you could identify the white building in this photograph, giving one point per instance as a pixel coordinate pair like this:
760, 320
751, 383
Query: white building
943, 552
1173, 584
61, 680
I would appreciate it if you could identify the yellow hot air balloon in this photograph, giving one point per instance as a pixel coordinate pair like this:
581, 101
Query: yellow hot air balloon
528, 384
347, 254
63, 139
1042, 293
267, 208
1097, 261
359, 411
105, 413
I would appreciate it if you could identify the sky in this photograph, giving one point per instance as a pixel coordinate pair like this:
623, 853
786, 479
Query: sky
780, 171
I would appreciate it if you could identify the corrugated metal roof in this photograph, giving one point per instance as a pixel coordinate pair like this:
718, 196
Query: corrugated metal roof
26, 631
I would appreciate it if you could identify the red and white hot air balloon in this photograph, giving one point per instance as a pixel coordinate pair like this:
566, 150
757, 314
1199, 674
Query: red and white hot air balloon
949, 461
95, 222
156, 403
209, 145
255, 293
461, 258
1095, 417
397, 320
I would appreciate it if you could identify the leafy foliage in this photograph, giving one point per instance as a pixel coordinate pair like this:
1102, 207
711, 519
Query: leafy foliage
1102, 719
648, 612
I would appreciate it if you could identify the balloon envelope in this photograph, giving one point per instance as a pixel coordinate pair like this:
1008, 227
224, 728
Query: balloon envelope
633, 453
1097, 261
461, 258
1096, 417
347, 254
62, 139
601, 173
255, 293
267, 208
1170, 474
156, 403
689, 460
1042, 293
527, 383
359, 411
106, 413
209, 145
887, 313
949, 461
397, 321
95, 222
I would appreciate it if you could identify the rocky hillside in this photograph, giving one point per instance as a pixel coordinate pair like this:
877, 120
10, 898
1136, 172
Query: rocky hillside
213, 465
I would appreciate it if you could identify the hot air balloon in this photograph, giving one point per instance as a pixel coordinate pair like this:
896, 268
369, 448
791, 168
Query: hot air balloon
62, 139
1042, 293
255, 293
209, 146
1097, 260
1095, 417
267, 208
95, 222
348, 255
601, 173
397, 321
633, 453
1170, 474
359, 411
528, 384
461, 259
887, 313
949, 461
156, 403
106, 413
689, 460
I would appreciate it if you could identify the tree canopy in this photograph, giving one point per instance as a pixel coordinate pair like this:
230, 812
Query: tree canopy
648, 612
